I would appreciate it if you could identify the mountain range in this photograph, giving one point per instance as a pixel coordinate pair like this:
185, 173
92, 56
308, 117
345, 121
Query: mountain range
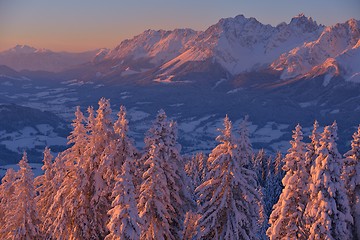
23, 57
280, 75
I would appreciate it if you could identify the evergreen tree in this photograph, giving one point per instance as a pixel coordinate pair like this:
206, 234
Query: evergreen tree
119, 149
78, 137
328, 206
154, 200
90, 121
180, 181
202, 163
60, 172
196, 168
190, 225
260, 166
101, 136
44, 186
7, 202
193, 172
273, 186
79, 209
286, 220
351, 175
244, 145
229, 198
71, 214
278, 164
162, 157
21, 221
124, 219
312, 147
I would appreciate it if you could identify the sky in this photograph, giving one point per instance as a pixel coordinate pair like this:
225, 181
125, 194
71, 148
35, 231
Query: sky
79, 25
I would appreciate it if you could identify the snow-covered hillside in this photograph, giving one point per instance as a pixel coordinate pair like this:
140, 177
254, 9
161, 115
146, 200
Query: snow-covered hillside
24, 128
334, 41
157, 46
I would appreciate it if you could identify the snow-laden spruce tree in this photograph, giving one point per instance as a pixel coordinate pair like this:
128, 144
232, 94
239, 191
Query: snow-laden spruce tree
244, 145
124, 218
229, 200
78, 137
90, 120
273, 185
201, 160
190, 225
101, 135
312, 147
182, 181
7, 202
119, 149
196, 170
260, 166
351, 176
193, 171
287, 220
60, 173
154, 200
278, 163
74, 213
162, 193
71, 214
328, 207
21, 221
44, 186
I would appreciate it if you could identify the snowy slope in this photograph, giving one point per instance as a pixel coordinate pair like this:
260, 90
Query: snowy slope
333, 41
158, 46
24, 128
349, 62
23, 57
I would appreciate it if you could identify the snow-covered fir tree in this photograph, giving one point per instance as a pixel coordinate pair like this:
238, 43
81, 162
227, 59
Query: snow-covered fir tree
21, 221
196, 169
312, 147
287, 220
244, 145
278, 164
190, 225
124, 218
181, 180
351, 175
71, 214
101, 135
119, 149
193, 172
74, 213
328, 207
154, 200
162, 193
60, 220
7, 202
45, 186
78, 137
229, 200
273, 185
90, 120
260, 166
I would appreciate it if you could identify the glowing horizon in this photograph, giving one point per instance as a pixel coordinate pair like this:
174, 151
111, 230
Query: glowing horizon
86, 25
